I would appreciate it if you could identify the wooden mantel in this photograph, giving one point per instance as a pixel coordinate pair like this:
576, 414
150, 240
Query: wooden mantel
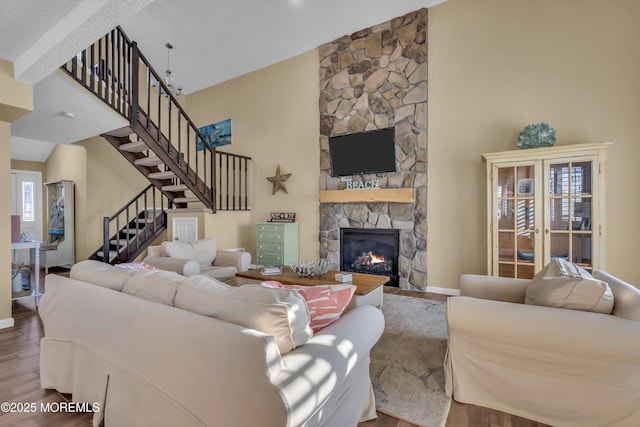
393, 195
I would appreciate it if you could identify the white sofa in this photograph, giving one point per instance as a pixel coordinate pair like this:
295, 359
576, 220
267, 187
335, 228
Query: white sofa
147, 363
558, 366
199, 257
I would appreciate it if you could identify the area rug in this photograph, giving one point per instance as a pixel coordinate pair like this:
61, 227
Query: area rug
407, 362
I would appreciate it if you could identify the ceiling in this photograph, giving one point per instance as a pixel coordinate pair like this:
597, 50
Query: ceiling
213, 41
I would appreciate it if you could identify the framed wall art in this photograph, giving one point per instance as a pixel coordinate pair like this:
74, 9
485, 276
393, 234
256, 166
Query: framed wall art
216, 134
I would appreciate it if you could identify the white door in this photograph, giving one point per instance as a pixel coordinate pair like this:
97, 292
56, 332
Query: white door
26, 201
184, 230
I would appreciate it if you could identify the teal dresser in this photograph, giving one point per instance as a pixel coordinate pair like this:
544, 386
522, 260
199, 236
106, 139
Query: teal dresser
276, 243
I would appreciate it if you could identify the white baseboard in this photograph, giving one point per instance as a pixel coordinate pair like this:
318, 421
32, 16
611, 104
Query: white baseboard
6, 323
445, 291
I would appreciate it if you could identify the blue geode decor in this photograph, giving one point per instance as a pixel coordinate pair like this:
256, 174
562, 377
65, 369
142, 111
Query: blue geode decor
537, 135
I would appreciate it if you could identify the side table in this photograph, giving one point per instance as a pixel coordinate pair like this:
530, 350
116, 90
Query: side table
35, 250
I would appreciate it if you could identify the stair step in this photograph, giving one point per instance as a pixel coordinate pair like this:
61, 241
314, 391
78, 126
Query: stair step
112, 254
185, 199
122, 242
118, 133
177, 187
145, 220
148, 161
161, 175
134, 147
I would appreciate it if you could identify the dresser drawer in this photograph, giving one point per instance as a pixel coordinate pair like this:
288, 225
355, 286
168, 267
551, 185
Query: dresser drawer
269, 236
279, 228
264, 246
270, 258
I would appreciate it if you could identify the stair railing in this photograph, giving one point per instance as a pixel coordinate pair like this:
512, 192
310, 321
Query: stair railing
105, 69
161, 114
132, 227
114, 70
233, 179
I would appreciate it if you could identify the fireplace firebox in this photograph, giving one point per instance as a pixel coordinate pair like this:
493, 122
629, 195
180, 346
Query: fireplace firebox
370, 251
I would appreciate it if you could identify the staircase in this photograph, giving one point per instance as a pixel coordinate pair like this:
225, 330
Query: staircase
160, 140
136, 225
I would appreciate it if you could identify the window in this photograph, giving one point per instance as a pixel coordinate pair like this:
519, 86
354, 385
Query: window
28, 214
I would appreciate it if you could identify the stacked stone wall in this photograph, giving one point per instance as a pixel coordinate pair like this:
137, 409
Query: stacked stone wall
373, 79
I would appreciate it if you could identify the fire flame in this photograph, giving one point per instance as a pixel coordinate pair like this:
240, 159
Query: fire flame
375, 258
369, 258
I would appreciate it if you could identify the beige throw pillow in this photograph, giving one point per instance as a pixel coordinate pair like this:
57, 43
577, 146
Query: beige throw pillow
280, 313
565, 285
101, 274
153, 285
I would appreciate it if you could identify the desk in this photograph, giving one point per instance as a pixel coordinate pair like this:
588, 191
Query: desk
368, 286
35, 249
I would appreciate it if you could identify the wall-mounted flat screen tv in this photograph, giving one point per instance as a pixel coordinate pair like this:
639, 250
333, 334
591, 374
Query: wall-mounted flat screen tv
364, 152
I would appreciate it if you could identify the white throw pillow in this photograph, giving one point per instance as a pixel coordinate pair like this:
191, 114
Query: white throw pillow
280, 313
202, 251
565, 285
179, 250
206, 250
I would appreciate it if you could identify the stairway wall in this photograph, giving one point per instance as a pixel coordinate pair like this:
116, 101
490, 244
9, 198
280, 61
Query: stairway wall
274, 114
104, 180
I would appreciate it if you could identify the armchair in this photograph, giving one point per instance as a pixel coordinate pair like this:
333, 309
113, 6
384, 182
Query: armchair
554, 365
199, 257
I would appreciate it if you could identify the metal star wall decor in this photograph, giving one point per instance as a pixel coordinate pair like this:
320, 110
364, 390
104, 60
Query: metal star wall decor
278, 181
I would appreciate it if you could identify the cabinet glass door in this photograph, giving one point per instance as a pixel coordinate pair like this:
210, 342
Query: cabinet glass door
569, 215
515, 234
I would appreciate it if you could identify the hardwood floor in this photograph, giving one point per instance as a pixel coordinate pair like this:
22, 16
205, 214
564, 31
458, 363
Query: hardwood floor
20, 381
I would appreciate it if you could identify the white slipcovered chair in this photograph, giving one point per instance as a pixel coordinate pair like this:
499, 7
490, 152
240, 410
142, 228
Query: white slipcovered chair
558, 366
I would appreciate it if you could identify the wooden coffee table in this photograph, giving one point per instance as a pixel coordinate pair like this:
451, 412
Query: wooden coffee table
368, 286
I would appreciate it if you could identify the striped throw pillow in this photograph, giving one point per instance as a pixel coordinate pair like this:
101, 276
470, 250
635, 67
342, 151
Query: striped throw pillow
326, 303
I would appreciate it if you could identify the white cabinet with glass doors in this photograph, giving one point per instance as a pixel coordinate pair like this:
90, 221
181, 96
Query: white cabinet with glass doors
545, 203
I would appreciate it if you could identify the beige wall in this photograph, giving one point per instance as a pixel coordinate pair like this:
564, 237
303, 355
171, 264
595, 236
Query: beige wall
16, 100
110, 182
5, 230
232, 229
28, 166
275, 115
498, 65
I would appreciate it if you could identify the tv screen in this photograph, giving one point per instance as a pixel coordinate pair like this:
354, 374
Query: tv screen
365, 152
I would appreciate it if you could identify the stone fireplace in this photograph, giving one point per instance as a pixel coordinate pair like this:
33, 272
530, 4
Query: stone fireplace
373, 79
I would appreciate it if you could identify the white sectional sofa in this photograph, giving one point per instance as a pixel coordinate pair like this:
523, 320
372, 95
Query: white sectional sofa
146, 362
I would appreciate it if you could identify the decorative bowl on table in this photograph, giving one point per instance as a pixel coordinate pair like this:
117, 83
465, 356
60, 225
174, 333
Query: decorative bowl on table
311, 268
